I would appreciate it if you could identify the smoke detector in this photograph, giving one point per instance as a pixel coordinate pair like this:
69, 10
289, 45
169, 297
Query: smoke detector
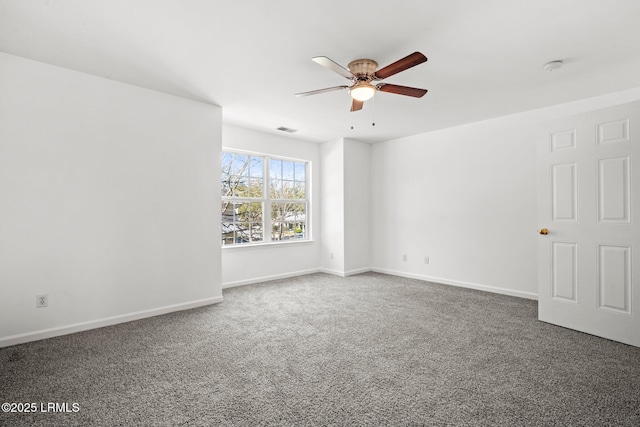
553, 65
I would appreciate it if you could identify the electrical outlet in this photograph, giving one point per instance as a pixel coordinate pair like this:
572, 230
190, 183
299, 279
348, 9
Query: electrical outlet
331, 255
404, 257
426, 260
42, 300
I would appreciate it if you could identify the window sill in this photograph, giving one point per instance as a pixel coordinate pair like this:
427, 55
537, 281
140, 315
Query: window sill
267, 245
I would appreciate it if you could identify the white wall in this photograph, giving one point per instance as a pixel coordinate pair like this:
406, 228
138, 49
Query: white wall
251, 264
333, 209
357, 206
346, 194
108, 201
466, 198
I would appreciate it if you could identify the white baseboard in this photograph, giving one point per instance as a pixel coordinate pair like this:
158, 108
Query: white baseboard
114, 320
332, 272
345, 273
269, 278
99, 323
469, 285
357, 271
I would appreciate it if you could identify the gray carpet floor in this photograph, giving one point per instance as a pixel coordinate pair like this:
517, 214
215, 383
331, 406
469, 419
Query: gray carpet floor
321, 350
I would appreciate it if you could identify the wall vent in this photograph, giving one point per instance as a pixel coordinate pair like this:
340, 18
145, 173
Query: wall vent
289, 130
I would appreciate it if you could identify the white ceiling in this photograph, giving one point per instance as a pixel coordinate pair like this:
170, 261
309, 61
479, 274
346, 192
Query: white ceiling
251, 56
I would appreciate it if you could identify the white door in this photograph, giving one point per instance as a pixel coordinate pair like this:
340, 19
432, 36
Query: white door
589, 200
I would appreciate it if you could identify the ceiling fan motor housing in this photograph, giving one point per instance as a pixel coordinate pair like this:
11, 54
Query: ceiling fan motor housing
363, 69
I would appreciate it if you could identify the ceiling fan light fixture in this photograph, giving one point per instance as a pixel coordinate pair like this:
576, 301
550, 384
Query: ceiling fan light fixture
362, 91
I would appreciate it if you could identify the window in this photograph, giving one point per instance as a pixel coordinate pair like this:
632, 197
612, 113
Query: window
264, 199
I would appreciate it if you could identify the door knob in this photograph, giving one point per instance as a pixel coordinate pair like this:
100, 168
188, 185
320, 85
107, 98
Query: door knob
543, 231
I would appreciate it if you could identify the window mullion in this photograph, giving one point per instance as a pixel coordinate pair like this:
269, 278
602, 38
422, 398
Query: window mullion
266, 214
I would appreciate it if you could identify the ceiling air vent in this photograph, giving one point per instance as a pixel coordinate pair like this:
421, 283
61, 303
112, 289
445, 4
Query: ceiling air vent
288, 130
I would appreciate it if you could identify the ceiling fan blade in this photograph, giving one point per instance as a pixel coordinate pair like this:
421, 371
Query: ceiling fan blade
400, 65
333, 66
402, 90
356, 105
315, 92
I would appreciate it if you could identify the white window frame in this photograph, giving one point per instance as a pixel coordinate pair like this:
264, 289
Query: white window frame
267, 201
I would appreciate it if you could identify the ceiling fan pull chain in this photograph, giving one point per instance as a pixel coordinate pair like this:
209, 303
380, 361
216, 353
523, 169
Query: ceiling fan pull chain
373, 111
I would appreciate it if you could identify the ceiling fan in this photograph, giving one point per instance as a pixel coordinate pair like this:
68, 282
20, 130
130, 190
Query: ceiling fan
363, 71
